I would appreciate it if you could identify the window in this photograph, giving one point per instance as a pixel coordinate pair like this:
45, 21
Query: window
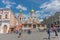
0, 16
0, 11
57, 22
6, 16
38, 25
29, 25
33, 21
25, 25
0, 23
20, 18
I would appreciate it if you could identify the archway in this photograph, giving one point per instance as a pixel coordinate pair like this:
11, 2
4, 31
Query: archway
5, 28
34, 26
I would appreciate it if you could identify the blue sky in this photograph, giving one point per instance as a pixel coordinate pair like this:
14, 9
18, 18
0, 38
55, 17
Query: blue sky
43, 8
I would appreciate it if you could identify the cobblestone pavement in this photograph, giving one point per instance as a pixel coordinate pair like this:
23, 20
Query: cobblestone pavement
25, 36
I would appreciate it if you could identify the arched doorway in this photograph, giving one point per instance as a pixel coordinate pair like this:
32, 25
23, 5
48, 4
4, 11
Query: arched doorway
5, 28
34, 26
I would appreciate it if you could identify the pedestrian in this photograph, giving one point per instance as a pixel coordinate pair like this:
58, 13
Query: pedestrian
16, 29
38, 29
48, 32
20, 32
55, 31
29, 31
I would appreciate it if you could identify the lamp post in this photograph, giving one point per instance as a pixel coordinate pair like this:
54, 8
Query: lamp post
59, 20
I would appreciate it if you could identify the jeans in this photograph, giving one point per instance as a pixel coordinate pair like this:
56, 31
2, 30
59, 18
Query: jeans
49, 36
16, 31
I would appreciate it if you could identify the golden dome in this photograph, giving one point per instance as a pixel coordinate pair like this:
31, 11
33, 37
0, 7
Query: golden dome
32, 10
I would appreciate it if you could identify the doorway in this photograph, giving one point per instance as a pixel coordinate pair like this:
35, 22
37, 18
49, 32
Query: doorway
34, 26
5, 28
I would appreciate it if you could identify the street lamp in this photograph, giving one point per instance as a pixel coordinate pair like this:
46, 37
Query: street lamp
59, 20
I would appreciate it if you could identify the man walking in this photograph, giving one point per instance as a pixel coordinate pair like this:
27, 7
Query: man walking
48, 32
55, 31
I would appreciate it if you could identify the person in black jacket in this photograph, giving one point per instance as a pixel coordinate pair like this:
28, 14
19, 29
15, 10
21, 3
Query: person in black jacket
29, 31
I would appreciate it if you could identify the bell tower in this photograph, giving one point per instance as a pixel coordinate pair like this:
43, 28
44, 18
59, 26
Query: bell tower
32, 13
20, 15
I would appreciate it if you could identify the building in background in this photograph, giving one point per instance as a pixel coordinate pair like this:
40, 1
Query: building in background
53, 20
31, 22
7, 20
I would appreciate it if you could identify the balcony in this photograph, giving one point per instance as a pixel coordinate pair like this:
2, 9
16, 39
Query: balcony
5, 20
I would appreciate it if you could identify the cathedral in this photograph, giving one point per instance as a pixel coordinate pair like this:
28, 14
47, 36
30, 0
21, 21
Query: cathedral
32, 22
8, 21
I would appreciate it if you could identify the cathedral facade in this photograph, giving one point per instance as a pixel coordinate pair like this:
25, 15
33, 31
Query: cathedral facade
32, 22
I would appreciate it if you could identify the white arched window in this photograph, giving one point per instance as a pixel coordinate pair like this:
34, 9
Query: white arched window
6, 16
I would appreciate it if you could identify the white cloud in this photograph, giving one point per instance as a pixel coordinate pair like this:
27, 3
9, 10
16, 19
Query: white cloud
37, 11
8, 3
16, 14
22, 7
8, 6
39, 14
24, 15
42, 14
1, 8
52, 6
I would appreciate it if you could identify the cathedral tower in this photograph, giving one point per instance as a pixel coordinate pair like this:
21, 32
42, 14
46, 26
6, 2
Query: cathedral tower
20, 15
32, 13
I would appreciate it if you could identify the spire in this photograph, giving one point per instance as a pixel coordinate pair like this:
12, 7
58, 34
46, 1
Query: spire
32, 13
20, 14
20, 10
